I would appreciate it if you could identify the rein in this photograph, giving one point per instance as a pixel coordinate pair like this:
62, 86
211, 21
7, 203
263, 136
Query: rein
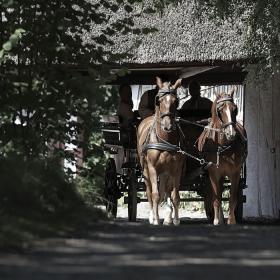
207, 127
179, 119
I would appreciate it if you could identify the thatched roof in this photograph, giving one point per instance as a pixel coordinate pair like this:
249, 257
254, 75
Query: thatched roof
183, 38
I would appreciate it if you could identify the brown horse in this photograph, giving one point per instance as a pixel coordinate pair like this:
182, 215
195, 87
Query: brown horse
158, 145
225, 144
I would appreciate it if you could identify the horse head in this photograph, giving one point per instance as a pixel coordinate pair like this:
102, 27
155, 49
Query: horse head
225, 111
166, 104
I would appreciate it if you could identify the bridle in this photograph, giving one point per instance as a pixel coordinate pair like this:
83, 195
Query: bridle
162, 93
220, 103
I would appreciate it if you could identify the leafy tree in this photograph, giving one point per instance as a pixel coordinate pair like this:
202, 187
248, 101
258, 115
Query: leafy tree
41, 86
53, 71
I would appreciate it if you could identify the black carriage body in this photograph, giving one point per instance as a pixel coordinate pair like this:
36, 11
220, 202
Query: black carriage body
122, 167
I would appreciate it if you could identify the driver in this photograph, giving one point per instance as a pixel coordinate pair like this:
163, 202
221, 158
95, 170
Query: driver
147, 102
196, 107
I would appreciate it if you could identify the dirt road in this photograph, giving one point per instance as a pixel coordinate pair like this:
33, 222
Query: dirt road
122, 250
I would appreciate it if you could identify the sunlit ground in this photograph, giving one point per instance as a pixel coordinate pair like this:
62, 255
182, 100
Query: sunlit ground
143, 211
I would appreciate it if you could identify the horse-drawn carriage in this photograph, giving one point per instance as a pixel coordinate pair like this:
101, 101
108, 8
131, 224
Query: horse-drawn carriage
124, 174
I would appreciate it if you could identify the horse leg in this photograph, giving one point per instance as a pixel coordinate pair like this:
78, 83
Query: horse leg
176, 202
149, 193
155, 193
216, 198
234, 179
163, 189
168, 219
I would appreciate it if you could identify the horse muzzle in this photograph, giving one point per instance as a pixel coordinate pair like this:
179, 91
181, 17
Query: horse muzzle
168, 122
230, 132
168, 128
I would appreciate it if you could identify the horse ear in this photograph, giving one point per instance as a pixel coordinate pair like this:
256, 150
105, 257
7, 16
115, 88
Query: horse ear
232, 91
177, 84
159, 82
217, 94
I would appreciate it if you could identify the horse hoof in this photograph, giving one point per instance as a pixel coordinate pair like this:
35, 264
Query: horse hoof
167, 222
231, 222
176, 222
151, 218
216, 222
156, 223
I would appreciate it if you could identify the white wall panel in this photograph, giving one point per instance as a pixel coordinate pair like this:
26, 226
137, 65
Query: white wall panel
262, 112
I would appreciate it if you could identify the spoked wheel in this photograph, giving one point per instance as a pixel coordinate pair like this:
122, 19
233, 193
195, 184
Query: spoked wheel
132, 197
111, 190
208, 202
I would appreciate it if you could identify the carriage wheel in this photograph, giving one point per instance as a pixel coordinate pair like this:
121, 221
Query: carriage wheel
132, 198
239, 207
111, 191
208, 202
209, 209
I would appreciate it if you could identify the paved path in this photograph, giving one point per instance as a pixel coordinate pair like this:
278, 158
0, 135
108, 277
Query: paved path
122, 250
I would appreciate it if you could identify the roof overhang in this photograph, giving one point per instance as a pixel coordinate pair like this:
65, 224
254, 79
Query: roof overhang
208, 75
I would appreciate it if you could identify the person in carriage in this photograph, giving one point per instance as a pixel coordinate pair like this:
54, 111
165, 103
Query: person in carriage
125, 107
147, 102
126, 117
197, 107
196, 110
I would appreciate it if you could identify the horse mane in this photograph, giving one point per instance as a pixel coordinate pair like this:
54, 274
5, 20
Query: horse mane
214, 107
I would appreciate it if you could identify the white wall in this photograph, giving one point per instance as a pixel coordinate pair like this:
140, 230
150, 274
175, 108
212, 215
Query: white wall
262, 116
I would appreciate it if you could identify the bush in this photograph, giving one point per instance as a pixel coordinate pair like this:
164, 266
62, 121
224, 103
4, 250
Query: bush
29, 185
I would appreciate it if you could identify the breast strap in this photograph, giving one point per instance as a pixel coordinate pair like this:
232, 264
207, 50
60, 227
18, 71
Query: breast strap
161, 147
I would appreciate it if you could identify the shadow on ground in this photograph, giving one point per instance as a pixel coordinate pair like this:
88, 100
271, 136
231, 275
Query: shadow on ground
122, 250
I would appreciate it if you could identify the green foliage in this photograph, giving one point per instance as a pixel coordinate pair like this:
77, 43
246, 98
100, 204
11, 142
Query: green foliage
53, 72
41, 86
37, 199
11, 43
34, 185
